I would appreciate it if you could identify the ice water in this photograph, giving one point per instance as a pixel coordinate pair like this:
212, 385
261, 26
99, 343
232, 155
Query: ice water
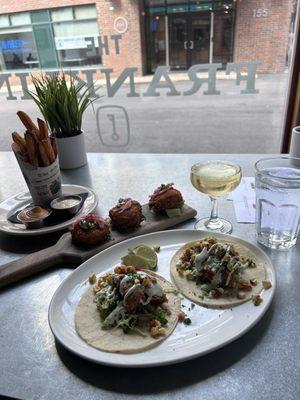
278, 206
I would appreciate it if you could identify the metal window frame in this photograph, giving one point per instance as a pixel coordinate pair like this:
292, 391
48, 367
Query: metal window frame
291, 114
189, 3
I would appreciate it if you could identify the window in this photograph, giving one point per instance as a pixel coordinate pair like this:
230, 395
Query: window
4, 21
85, 12
63, 37
62, 14
200, 76
18, 49
20, 19
76, 36
74, 49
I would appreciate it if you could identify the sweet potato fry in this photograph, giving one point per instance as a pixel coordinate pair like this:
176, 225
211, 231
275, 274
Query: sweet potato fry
27, 122
25, 157
43, 130
53, 143
49, 150
16, 148
43, 156
20, 141
31, 148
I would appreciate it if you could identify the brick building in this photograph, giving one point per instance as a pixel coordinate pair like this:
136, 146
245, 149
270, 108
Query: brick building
38, 34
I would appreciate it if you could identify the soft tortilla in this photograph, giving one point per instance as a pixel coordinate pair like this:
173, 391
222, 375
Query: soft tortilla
192, 291
89, 326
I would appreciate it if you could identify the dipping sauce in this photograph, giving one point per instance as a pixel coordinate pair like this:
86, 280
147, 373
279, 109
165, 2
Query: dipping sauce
65, 202
33, 214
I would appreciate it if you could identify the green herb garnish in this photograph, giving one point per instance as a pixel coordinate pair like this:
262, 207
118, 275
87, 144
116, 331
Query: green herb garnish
160, 315
84, 224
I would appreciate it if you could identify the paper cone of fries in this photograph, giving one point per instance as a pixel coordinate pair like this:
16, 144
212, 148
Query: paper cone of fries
36, 154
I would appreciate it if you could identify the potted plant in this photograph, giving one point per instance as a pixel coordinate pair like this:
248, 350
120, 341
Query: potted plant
62, 104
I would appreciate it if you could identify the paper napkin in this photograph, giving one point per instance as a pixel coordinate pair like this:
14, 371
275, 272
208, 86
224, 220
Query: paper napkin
243, 198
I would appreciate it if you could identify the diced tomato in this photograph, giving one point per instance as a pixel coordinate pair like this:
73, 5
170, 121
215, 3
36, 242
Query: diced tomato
120, 270
245, 286
152, 323
138, 268
181, 316
132, 268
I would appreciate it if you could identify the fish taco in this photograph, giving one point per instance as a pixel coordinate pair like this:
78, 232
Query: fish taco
127, 311
217, 274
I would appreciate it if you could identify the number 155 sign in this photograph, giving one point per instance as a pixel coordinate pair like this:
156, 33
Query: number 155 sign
260, 12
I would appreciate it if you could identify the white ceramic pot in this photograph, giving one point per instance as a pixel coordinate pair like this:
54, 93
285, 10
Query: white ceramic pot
295, 142
71, 151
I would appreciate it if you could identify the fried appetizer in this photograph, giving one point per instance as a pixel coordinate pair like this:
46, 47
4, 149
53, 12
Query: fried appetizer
90, 229
126, 214
165, 197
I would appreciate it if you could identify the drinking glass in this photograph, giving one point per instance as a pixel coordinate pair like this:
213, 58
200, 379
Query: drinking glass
215, 178
277, 187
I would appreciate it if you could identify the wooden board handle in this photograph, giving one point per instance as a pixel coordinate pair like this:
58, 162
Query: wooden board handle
29, 265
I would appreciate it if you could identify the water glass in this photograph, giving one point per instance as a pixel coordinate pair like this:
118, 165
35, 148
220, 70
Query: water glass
277, 186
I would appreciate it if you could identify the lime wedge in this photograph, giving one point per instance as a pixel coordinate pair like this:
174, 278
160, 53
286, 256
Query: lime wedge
136, 246
135, 261
141, 255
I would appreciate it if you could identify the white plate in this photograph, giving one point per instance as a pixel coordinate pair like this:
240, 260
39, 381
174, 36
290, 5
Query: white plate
9, 206
210, 329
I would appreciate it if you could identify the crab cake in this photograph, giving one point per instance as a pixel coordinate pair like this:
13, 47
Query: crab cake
165, 197
126, 214
90, 229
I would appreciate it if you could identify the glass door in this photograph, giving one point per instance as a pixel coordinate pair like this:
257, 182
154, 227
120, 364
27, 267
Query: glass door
157, 36
178, 41
189, 39
199, 38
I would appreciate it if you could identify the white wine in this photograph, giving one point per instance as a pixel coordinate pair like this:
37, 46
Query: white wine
216, 178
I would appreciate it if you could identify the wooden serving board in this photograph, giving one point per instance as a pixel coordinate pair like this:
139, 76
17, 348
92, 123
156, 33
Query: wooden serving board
66, 252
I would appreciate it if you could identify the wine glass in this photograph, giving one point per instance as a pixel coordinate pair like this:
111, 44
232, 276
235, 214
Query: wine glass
215, 178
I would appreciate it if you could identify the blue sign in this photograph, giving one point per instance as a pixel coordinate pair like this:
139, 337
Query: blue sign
153, 25
14, 45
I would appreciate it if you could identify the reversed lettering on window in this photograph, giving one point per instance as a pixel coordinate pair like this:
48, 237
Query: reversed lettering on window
113, 126
245, 72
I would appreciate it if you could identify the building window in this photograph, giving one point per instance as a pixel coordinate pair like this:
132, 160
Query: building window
74, 49
4, 21
20, 19
18, 49
62, 14
85, 12
63, 37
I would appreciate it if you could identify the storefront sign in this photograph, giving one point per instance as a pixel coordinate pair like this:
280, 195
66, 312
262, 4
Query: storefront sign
75, 42
180, 8
14, 46
10, 44
186, 8
160, 80
120, 25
